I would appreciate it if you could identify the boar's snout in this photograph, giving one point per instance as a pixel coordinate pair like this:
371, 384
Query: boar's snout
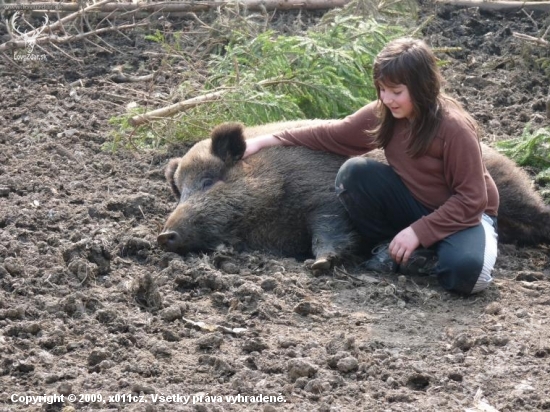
169, 240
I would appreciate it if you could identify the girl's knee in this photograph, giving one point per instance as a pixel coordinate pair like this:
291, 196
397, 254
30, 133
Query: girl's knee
464, 274
355, 170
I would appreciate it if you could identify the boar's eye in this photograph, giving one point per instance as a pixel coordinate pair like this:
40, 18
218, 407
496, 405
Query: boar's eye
206, 183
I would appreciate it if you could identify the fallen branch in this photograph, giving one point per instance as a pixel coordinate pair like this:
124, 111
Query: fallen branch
537, 40
174, 6
175, 108
171, 110
499, 5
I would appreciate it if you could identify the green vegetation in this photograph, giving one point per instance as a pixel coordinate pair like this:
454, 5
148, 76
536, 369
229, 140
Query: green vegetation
531, 149
324, 74
265, 76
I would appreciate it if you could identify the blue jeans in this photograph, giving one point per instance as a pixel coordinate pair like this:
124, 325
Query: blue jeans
380, 206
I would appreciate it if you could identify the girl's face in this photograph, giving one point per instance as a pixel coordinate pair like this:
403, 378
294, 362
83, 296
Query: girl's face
397, 99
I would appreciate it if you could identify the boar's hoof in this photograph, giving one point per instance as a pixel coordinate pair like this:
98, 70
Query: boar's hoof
321, 264
168, 240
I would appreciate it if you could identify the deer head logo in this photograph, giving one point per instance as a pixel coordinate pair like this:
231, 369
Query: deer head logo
30, 37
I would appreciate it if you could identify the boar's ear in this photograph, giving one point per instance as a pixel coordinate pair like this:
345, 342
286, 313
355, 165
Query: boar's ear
169, 173
228, 142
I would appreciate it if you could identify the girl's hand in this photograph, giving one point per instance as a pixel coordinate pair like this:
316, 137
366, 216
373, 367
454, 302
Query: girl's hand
403, 244
254, 144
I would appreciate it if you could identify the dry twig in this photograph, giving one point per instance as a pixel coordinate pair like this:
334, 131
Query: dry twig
500, 5
538, 40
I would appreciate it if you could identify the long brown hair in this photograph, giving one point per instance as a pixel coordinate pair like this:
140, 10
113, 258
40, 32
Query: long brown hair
412, 63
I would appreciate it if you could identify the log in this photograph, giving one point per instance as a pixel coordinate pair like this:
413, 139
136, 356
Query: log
180, 6
500, 5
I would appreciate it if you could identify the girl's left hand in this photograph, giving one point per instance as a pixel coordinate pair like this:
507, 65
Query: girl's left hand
403, 244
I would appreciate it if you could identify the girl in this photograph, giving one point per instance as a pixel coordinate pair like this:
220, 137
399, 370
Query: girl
436, 192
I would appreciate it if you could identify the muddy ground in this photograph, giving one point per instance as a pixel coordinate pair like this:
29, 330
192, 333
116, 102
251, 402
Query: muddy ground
90, 306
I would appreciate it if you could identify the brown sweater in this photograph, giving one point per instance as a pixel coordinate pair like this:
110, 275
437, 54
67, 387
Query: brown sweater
451, 178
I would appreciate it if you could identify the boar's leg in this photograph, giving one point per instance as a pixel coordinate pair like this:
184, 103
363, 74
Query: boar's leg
332, 237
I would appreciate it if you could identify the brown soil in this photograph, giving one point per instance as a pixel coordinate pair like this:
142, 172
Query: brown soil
90, 305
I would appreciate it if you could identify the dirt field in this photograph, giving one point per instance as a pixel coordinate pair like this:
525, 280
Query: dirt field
89, 305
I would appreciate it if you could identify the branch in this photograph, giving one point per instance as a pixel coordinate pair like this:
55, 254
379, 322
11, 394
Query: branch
537, 40
59, 24
499, 5
189, 103
176, 108
176, 6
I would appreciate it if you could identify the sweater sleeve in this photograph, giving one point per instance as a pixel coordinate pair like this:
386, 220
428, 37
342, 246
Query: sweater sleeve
464, 173
346, 137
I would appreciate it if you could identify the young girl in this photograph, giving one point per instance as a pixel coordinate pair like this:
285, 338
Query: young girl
436, 192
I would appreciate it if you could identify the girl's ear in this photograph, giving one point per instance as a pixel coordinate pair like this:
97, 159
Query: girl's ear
170, 172
228, 142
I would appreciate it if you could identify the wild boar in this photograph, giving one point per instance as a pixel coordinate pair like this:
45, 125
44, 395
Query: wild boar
280, 200
283, 200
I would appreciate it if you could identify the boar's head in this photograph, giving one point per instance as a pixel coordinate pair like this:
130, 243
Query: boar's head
206, 204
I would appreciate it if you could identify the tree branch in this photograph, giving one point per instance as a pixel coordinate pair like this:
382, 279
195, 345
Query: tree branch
180, 6
537, 40
499, 5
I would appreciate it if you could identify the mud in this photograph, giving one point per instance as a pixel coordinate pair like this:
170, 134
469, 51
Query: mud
89, 305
